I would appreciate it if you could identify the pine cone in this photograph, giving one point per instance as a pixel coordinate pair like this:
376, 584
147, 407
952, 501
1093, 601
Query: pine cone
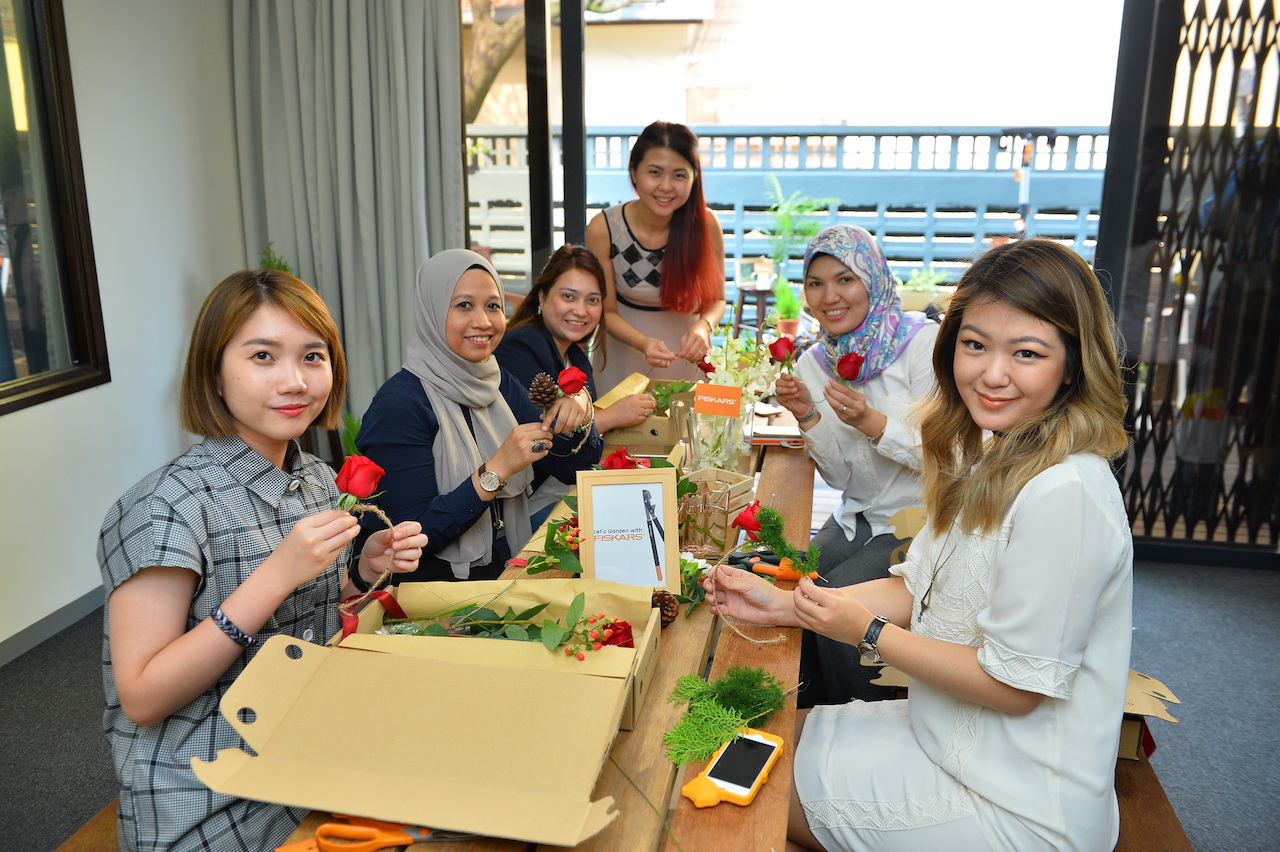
544, 391
668, 603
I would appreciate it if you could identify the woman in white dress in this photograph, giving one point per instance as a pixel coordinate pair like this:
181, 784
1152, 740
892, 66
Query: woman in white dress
1012, 614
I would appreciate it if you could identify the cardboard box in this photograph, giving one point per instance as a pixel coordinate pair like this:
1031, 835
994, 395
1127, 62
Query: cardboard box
1144, 698
458, 733
658, 430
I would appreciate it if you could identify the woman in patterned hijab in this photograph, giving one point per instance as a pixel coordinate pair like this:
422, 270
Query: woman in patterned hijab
851, 394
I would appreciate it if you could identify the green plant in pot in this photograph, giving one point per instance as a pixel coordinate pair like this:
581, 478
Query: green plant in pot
787, 307
792, 223
925, 286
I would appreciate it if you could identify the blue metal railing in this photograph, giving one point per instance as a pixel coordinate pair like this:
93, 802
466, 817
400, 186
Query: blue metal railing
933, 196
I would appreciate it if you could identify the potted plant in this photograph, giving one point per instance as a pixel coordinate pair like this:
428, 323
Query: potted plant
792, 223
787, 305
924, 287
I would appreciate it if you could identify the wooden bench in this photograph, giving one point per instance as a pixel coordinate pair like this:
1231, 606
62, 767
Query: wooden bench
96, 835
1147, 820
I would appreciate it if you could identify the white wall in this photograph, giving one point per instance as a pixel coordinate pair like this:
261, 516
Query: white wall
153, 100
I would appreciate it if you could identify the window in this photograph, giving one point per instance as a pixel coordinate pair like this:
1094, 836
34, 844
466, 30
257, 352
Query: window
51, 337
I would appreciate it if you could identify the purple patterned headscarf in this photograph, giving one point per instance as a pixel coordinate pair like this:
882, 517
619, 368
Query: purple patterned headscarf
885, 332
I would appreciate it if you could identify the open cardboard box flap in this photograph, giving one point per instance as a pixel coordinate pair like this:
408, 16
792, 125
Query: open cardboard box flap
1145, 696
486, 745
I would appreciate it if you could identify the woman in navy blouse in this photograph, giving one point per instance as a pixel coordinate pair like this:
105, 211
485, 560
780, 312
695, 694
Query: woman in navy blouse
457, 435
557, 326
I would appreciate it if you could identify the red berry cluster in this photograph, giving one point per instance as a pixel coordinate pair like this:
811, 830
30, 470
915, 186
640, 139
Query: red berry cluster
600, 630
569, 535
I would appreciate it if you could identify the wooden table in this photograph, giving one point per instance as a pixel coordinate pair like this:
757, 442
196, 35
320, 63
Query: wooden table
644, 784
638, 775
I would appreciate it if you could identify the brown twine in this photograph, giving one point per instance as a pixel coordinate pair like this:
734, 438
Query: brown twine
724, 618
349, 607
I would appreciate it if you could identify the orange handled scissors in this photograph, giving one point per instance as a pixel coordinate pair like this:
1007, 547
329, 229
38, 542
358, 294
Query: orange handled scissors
361, 834
785, 571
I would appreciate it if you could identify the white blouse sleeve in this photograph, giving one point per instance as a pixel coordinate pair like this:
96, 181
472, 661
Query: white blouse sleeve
1064, 546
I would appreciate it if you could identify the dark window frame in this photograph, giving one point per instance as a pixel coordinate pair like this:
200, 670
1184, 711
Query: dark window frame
73, 251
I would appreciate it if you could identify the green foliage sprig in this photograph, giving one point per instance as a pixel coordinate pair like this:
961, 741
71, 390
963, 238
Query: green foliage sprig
663, 391
271, 260
691, 591
773, 535
574, 631
718, 709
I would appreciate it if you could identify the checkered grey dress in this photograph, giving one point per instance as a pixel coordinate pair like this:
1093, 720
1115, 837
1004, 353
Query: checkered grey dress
637, 271
219, 510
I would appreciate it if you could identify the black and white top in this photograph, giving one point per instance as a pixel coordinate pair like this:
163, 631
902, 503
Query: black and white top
637, 271
219, 510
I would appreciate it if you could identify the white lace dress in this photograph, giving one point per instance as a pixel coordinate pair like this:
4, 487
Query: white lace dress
1047, 601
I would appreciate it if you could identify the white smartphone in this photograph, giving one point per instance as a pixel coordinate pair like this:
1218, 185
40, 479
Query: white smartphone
738, 767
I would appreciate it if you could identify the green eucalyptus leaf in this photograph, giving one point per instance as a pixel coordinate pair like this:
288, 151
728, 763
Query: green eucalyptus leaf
552, 634
530, 612
569, 562
574, 614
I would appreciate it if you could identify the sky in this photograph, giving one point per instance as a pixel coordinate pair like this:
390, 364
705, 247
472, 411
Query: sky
958, 62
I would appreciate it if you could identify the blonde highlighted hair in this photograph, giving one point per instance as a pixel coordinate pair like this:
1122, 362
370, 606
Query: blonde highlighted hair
976, 480
227, 307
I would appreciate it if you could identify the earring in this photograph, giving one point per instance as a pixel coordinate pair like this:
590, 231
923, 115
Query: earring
539, 310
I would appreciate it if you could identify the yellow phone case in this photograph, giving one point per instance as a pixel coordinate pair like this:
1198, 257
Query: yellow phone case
704, 792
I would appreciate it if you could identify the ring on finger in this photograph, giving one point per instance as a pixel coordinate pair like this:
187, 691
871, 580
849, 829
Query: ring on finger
539, 446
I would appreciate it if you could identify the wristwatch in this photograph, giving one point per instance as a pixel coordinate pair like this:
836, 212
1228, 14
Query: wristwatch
489, 480
867, 647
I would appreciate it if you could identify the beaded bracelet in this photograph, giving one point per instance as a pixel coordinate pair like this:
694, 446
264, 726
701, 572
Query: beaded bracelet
808, 415
234, 633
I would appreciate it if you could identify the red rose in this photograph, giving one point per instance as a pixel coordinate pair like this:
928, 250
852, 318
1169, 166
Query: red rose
621, 635
850, 366
619, 459
571, 380
746, 520
782, 349
359, 477
706, 367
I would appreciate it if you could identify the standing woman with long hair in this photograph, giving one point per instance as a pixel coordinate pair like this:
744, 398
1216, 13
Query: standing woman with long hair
1012, 614
663, 259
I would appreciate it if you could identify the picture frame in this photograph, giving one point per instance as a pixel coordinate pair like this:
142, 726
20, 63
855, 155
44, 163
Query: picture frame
630, 527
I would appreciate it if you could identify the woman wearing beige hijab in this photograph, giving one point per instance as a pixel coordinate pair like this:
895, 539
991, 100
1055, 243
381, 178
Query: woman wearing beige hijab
457, 435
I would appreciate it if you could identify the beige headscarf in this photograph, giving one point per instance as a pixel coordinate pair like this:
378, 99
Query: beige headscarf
453, 383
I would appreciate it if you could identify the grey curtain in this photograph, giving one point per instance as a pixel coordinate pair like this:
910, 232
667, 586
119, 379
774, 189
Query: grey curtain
349, 132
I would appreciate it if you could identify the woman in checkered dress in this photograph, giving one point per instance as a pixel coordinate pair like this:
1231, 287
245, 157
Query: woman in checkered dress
233, 542
663, 259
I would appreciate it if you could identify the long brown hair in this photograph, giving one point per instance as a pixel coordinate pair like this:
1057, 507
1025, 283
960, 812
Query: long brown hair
975, 481
563, 259
229, 306
690, 274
